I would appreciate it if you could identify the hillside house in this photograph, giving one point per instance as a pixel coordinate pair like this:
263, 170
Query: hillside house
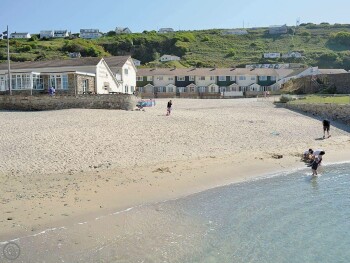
46, 34
166, 30
278, 30
136, 62
61, 33
293, 54
20, 35
166, 58
272, 55
122, 30
90, 33
235, 32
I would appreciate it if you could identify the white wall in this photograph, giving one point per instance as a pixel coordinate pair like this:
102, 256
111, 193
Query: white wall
158, 82
206, 82
104, 80
129, 79
248, 80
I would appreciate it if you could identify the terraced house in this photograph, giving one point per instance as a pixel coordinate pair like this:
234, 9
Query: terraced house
204, 82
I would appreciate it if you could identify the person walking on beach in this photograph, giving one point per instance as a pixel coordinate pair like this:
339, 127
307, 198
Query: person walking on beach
326, 127
169, 108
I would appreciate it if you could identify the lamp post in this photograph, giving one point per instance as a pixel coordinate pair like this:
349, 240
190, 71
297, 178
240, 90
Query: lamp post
8, 60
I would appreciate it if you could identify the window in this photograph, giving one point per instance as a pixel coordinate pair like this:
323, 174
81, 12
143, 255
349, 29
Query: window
132, 89
232, 78
201, 78
171, 78
273, 78
212, 78
59, 81
149, 78
241, 77
252, 78
161, 89
222, 78
201, 89
126, 71
191, 78
139, 78
212, 89
180, 78
263, 78
170, 89
85, 85
160, 78
126, 89
38, 82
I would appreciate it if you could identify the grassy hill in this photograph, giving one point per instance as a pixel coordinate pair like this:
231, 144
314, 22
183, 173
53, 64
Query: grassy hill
324, 45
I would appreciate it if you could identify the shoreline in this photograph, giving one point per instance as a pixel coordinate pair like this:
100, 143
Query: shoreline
203, 183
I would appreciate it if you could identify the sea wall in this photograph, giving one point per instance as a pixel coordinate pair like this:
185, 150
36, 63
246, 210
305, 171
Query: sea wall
330, 111
57, 102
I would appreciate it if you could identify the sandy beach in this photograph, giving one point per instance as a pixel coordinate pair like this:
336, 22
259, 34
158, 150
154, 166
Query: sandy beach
71, 165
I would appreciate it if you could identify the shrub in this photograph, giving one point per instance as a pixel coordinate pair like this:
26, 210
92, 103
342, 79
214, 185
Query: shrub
285, 98
231, 53
342, 38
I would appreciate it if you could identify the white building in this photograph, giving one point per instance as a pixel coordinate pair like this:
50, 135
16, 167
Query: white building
90, 33
96, 75
61, 33
137, 62
272, 55
166, 30
235, 32
124, 70
46, 34
165, 58
20, 35
293, 54
122, 30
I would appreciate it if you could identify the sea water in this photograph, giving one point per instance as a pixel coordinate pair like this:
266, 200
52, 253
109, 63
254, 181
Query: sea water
291, 217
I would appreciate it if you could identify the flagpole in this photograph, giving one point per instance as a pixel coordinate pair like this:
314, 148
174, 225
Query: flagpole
8, 60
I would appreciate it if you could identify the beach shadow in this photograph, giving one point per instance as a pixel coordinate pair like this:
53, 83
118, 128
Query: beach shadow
319, 139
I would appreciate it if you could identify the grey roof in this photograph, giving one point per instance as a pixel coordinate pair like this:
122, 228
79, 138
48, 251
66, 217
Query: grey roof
116, 61
205, 72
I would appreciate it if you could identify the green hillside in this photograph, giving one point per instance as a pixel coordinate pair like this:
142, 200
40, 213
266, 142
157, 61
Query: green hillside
324, 45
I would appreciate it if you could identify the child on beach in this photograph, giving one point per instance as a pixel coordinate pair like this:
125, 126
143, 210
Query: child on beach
317, 162
169, 108
308, 155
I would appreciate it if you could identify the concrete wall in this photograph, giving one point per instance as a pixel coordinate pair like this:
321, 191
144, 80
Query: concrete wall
329, 111
45, 102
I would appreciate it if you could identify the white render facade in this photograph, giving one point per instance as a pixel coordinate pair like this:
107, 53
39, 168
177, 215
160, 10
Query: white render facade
165, 58
61, 33
20, 35
272, 55
90, 33
46, 34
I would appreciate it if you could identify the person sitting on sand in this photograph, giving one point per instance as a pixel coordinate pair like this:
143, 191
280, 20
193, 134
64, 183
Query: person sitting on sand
326, 127
308, 154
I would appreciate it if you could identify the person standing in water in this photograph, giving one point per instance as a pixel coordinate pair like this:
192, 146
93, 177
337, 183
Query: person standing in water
317, 162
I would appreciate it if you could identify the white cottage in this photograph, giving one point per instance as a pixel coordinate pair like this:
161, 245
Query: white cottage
20, 35
90, 33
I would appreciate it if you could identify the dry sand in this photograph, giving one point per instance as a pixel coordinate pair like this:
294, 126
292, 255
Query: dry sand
72, 165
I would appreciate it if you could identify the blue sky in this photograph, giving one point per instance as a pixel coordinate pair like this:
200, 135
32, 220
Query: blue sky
35, 15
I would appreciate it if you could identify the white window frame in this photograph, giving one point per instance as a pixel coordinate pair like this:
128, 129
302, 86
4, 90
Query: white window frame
139, 78
182, 78
160, 78
232, 78
212, 78
149, 78
222, 78
170, 78
201, 78
201, 89
252, 78
191, 78
273, 78
63, 81
242, 78
263, 78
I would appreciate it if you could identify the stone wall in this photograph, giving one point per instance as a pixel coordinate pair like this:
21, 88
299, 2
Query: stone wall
45, 102
329, 111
